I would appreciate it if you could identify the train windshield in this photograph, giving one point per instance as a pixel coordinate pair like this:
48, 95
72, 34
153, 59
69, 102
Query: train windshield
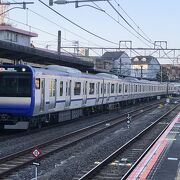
15, 84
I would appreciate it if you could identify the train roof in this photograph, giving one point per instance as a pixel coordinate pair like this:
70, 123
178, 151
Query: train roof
62, 69
106, 75
67, 71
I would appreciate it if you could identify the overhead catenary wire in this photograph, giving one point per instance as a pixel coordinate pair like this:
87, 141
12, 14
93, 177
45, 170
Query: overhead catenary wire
58, 26
61, 26
37, 29
121, 24
31, 26
129, 23
78, 25
150, 41
133, 21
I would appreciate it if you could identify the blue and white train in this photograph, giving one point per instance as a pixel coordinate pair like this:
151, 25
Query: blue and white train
32, 96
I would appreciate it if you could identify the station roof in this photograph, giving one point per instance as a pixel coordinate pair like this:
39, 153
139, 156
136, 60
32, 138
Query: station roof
34, 55
13, 29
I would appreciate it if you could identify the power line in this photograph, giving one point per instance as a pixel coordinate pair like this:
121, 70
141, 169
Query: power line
120, 24
132, 20
129, 23
10, 10
31, 26
149, 41
93, 33
60, 26
79, 25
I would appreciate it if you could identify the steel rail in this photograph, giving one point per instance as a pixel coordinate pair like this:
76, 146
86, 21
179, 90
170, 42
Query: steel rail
18, 160
93, 172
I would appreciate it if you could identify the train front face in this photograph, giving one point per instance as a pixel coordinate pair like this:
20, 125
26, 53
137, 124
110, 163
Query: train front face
16, 94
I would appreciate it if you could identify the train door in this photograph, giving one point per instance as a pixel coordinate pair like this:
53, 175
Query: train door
55, 93
108, 91
116, 91
103, 91
97, 91
52, 94
42, 104
84, 93
68, 93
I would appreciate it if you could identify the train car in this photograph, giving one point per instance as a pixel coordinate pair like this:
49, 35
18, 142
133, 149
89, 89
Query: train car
176, 89
30, 97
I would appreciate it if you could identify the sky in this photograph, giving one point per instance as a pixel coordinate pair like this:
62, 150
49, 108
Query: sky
155, 21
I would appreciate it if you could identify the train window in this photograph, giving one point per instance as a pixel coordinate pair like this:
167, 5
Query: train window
52, 88
66, 88
112, 88
69, 88
108, 88
120, 88
13, 84
116, 88
104, 88
97, 87
131, 88
101, 88
77, 88
85, 88
61, 88
91, 88
37, 83
126, 88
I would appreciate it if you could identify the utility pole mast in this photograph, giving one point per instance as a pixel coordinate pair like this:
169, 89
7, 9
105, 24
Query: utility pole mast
59, 42
141, 72
3, 8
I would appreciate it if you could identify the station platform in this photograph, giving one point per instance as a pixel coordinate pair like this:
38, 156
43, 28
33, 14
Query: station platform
163, 160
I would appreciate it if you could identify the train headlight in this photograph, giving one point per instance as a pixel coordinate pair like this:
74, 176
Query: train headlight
23, 69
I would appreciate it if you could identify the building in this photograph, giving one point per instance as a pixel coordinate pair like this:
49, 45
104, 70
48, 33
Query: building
102, 65
145, 67
16, 36
118, 63
173, 71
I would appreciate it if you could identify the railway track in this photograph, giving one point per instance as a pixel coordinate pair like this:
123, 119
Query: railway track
11, 134
121, 162
12, 162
